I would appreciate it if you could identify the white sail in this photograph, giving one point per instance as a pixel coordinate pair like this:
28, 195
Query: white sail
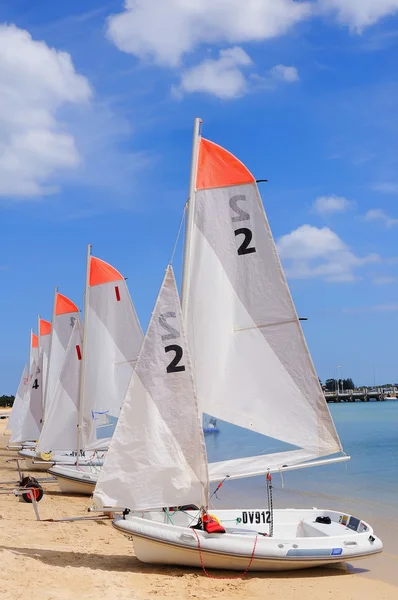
65, 315
34, 413
15, 419
157, 455
44, 353
251, 362
34, 349
112, 341
60, 426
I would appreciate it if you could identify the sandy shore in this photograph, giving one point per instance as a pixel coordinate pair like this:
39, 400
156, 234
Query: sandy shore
91, 561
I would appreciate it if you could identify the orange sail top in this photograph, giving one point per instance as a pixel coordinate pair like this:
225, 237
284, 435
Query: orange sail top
102, 272
34, 340
219, 168
63, 305
45, 327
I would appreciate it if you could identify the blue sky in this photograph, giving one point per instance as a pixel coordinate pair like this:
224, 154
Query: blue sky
97, 101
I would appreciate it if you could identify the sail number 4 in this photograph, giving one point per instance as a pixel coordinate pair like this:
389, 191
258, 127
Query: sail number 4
242, 215
254, 516
172, 334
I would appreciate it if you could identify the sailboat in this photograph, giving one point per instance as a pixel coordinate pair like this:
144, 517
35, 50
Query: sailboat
35, 397
251, 367
22, 398
112, 338
18, 406
65, 314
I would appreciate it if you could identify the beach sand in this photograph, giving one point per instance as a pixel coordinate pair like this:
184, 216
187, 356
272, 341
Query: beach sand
89, 560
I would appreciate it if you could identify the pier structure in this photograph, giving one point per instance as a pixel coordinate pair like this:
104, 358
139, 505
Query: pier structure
377, 394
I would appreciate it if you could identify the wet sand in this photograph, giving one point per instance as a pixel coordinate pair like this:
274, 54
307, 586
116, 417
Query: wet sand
90, 560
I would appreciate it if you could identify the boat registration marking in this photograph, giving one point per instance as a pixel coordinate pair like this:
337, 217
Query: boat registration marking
254, 516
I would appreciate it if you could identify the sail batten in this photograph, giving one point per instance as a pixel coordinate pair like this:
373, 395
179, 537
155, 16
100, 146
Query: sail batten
266, 325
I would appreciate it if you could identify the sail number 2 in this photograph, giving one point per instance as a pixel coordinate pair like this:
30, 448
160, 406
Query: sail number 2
172, 334
242, 215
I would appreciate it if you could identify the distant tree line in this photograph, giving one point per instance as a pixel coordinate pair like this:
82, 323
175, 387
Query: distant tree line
331, 385
7, 400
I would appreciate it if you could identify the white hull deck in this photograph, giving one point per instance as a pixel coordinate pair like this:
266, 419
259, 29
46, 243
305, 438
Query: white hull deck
32, 464
75, 480
298, 542
36, 462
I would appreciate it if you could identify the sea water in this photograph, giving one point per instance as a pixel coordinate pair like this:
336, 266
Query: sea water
369, 434
366, 486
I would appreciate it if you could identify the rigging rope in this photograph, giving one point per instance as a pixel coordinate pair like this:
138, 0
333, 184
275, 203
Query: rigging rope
178, 234
240, 576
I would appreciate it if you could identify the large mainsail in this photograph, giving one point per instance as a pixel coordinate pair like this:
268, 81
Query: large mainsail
157, 455
251, 362
15, 419
44, 354
60, 426
64, 317
22, 399
34, 413
112, 341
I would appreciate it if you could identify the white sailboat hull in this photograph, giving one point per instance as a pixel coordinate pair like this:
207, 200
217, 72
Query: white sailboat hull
32, 465
298, 542
35, 462
75, 480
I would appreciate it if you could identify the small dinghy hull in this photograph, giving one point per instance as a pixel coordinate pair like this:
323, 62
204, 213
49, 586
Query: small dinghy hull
299, 541
73, 480
33, 461
43, 462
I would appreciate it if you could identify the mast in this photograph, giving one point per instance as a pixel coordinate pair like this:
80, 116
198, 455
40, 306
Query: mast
49, 353
190, 216
83, 370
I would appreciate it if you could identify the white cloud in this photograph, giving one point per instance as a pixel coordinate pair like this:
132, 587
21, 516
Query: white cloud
283, 73
164, 31
35, 82
377, 308
384, 280
221, 77
358, 14
274, 77
327, 205
312, 252
388, 187
377, 214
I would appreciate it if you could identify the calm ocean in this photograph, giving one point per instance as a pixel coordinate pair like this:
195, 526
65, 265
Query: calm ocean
369, 434
366, 486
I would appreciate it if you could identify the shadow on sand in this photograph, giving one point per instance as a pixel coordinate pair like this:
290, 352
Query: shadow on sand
123, 562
